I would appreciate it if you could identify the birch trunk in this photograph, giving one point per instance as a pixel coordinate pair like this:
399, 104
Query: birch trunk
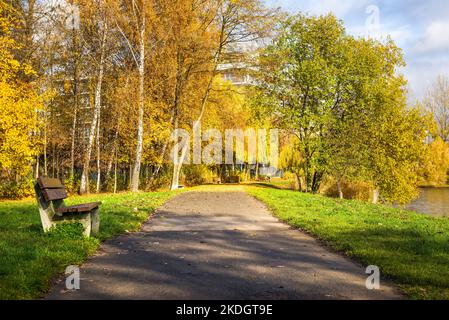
178, 91
98, 153
84, 188
75, 112
109, 166
115, 172
36, 173
340, 191
177, 168
136, 171
72, 149
297, 182
45, 150
376, 194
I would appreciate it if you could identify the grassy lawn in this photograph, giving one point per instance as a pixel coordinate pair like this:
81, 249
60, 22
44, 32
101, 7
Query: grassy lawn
29, 259
411, 249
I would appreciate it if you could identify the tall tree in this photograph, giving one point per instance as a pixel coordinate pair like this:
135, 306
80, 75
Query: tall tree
437, 101
133, 19
234, 23
18, 114
342, 98
101, 23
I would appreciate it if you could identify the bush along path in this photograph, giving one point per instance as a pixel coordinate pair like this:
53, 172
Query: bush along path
30, 259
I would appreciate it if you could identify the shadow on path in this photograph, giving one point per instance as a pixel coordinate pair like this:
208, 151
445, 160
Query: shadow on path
222, 245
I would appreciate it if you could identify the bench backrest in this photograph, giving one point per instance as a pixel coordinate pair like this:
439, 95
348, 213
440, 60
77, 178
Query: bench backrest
52, 189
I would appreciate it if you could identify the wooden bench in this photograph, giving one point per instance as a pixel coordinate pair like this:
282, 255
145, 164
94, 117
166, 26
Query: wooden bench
50, 195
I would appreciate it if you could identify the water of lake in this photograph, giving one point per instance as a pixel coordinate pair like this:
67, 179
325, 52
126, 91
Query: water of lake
432, 201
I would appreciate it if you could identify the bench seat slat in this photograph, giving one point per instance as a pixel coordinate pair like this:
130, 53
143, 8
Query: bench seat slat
49, 183
79, 208
54, 194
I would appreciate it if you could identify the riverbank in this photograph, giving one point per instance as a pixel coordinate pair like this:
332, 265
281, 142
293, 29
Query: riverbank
29, 259
410, 248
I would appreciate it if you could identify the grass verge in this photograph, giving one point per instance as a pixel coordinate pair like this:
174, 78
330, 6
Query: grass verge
410, 248
29, 259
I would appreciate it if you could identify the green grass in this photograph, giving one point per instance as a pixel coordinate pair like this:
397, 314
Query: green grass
410, 248
30, 259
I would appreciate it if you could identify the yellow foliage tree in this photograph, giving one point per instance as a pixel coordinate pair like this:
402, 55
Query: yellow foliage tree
436, 163
18, 117
290, 160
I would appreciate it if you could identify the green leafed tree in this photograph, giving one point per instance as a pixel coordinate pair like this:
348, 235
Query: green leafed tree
343, 99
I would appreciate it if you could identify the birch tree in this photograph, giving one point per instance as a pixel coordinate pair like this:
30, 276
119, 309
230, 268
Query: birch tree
102, 29
235, 23
132, 23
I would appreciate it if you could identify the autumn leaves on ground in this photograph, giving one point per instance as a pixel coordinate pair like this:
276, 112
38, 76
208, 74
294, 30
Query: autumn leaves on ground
91, 91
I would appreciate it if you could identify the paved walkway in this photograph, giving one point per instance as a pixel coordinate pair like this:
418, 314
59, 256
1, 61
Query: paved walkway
223, 245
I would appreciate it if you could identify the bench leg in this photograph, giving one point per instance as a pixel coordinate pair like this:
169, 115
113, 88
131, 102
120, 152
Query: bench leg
95, 220
47, 224
86, 221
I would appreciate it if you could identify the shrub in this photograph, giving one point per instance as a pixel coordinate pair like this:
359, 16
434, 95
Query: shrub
195, 175
16, 190
72, 185
357, 190
162, 180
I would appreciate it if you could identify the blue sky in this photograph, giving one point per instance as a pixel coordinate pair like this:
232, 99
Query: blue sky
419, 27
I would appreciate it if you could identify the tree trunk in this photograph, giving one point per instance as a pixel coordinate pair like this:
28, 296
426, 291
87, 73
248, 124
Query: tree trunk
109, 166
256, 172
45, 150
297, 182
177, 170
36, 173
75, 111
72, 149
306, 175
136, 171
340, 191
84, 188
98, 154
158, 166
175, 177
57, 163
53, 161
376, 194
176, 103
316, 181
115, 172
217, 58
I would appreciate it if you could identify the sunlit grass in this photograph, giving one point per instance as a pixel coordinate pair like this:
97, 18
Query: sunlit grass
29, 259
410, 248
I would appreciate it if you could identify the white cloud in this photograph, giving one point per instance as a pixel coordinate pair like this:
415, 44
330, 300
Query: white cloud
422, 72
436, 37
420, 28
317, 7
338, 7
400, 34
